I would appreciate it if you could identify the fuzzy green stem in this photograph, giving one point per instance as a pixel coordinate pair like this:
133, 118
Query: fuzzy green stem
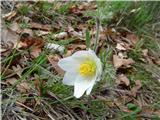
97, 34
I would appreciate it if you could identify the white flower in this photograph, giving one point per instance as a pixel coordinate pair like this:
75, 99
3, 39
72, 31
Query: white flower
83, 69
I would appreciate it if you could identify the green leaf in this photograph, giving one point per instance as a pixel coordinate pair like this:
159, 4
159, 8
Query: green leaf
131, 106
134, 108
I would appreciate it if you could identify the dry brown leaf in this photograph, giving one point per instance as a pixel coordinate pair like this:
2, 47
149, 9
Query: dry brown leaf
11, 81
69, 53
55, 47
41, 33
28, 31
128, 61
9, 38
122, 55
23, 87
75, 10
82, 26
54, 61
40, 26
35, 52
102, 36
36, 43
61, 35
118, 62
157, 62
135, 89
15, 27
132, 37
9, 15
145, 52
147, 57
74, 47
120, 46
29, 41
37, 86
122, 79
18, 70
157, 112
74, 33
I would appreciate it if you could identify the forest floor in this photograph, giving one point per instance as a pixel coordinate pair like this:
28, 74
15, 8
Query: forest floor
35, 35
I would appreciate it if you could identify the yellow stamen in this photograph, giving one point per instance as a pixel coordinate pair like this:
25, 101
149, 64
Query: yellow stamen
87, 68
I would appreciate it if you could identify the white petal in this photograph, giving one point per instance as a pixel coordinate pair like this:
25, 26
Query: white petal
98, 64
69, 64
81, 85
99, 69
90, 88
81, 56
69, 78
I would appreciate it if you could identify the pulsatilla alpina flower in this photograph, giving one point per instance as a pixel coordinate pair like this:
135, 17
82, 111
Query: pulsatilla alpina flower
83, 69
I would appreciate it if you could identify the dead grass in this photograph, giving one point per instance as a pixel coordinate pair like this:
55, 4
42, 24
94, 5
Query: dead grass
31, 84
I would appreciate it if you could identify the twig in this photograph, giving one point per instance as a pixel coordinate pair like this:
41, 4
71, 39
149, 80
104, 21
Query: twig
24, 106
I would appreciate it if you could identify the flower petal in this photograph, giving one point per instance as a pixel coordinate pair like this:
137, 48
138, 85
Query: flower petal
81, 56
90, 88
69, 64
69, 78
81, 85
99, 69
98, 64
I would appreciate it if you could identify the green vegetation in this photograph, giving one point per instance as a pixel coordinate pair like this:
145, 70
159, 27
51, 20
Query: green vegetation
24, 10
48, 98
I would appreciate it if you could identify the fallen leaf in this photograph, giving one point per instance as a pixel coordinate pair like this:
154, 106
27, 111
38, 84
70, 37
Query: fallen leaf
28, 41
82, 26
9, 38
54, 61
26, 19
61, 35
23, 87
9, 15
11, 81
120, 46
41, 33
35, 52
102, 36
37, 86
122, 79
135, 89
55, 47
40, 26
69, 53
36, 43
157, 62
132, 37
118, 62
145, 52
74, 33
28, 31
74, 47
15, 27
75, 10
18, 70
122, 55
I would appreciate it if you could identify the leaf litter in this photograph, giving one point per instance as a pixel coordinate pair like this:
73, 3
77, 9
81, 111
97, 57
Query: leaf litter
41, 39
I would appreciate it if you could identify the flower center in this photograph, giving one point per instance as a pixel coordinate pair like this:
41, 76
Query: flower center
87, 68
